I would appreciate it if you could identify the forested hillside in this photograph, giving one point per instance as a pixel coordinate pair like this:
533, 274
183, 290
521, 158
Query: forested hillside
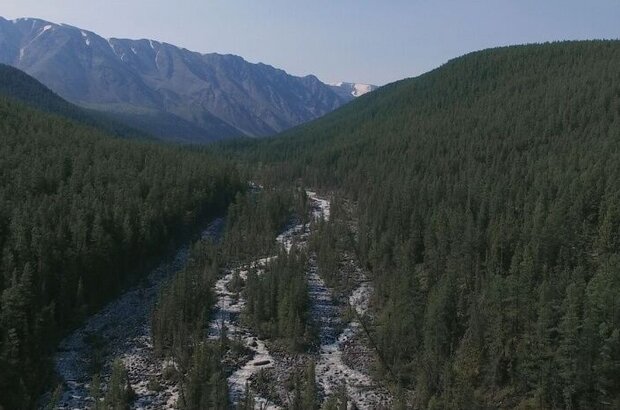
19, 86
81, 216
488, 195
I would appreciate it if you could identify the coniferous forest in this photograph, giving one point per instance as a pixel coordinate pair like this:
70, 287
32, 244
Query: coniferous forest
482, 199
487, 193
79, 211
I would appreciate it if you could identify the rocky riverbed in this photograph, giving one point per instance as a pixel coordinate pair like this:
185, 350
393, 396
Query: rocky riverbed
122, 329
341, 344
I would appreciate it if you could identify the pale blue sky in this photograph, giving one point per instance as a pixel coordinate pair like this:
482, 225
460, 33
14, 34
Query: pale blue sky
370, 41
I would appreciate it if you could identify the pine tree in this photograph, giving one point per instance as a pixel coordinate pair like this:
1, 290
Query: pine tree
310, 395
119, 392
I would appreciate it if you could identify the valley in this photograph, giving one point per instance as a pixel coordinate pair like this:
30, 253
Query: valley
447, 241
331, 371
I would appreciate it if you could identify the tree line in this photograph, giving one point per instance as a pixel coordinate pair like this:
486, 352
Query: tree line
277, 302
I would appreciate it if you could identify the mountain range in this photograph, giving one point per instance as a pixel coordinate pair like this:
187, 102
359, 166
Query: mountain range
163, 89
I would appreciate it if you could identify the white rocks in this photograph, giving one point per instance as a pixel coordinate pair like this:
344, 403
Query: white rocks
228, 308
331, 369
124, 328
125, 325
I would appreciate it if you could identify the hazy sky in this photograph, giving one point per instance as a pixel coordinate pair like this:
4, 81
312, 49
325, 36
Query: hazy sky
374, 41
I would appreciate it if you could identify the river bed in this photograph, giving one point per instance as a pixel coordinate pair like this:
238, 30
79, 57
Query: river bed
122, 329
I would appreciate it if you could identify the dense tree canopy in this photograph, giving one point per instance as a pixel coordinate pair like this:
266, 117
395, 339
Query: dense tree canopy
488, 195
182, 314
277, 301
80, 214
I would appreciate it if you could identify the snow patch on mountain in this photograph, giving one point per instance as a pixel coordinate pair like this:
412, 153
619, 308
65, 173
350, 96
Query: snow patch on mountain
86, 39
352, 89
361, 89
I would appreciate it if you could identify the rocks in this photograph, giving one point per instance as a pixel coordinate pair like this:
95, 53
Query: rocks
228, 307
342, 356
122, 329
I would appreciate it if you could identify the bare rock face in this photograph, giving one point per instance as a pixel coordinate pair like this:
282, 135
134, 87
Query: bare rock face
163, 89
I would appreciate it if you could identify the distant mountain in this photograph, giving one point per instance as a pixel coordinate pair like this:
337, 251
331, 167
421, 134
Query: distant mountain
166, 90
352, 90
19, 86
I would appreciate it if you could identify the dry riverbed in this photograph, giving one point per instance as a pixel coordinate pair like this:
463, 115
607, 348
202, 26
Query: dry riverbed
341, 344
122, 329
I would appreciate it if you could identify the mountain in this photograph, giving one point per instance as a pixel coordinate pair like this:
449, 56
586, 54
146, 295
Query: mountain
349, 90
169, 91
487, 195
19, 86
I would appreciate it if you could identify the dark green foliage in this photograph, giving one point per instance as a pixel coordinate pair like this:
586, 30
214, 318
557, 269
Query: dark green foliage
205, 386
95, 392
182, 311
277, 301
309, 392
255, 219
302, 391
81, 215
119, 393
179, 326
487, 194
334, 245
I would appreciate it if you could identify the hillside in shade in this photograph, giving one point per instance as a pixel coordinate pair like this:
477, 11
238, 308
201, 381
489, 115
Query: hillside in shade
19, 86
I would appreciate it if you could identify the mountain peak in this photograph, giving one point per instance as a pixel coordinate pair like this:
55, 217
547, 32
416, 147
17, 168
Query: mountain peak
354, 90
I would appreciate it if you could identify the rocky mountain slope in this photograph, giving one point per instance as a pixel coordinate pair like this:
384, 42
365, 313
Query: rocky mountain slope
163, 89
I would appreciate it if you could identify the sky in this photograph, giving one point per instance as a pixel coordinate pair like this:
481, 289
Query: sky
366, 41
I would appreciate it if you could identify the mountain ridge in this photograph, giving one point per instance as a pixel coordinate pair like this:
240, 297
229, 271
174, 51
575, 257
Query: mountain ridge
155, 84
